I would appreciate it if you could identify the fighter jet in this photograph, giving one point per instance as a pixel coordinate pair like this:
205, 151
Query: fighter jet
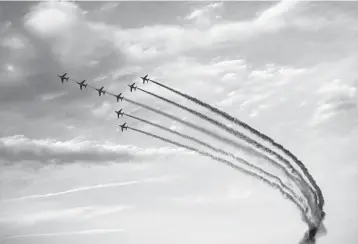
119, 97
63, 77
123, 127
132, 87
101, 91
145, 79
82, 83
119, 112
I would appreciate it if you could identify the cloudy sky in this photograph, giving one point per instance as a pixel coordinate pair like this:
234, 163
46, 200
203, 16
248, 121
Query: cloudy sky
68, 174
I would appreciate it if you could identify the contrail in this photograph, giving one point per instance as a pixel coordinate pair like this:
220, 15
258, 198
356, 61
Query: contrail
84, 232
241, 160
85, 188
232, 165
256, 132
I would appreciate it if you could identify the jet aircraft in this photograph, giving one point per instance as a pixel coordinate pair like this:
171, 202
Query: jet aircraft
119, 97
145, 79
123, 127
101, 91
82, 83
63, 77
132, 87
119, 112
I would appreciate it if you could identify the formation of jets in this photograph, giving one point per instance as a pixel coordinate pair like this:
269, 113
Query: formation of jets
103, 92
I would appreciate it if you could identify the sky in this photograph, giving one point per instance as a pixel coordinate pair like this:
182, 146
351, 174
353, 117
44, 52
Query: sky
68, 174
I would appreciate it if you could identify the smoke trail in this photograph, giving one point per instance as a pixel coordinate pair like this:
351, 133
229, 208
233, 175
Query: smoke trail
256, 132
208, 132
230, 130
241, 160
230, 164
214, 135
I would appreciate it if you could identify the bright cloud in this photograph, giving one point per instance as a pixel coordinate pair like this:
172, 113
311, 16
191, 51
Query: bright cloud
335, 97
52, 19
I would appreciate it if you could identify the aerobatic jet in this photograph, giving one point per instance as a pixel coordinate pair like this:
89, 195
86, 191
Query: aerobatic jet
82, 83
119, 97
101, 91
145, 79
63, 77
132, 87
119, 112
123, 127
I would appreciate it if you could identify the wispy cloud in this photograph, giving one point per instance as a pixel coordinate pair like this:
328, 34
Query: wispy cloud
84, 232
335, 97
203, 16
87, 188
54, 215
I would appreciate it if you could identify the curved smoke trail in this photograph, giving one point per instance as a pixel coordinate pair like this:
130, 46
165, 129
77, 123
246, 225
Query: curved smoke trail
256, 132
241, 160
250, 141
210, 133
230, 164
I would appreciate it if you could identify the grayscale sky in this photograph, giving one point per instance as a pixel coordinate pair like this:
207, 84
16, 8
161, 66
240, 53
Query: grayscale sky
68, 174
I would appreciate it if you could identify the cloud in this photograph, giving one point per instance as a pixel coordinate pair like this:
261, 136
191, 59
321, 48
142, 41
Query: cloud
335, 97
103, 109
74, 40
87, 188
203, 16
17, 53
49, 20
84, 232
143, 44
274, 17
51, 96
227, 82
44, 216
19, 148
